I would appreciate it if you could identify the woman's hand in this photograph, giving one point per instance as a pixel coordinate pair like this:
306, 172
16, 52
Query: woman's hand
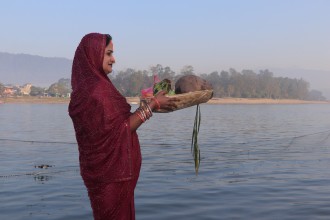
160, 101
165, 102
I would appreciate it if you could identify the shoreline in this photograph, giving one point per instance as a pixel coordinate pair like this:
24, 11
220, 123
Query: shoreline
262, 101
136, 100
34, 100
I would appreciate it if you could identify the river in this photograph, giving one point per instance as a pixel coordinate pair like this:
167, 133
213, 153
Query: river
257, 162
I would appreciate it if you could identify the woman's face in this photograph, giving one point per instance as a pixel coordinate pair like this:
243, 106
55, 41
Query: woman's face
109, 59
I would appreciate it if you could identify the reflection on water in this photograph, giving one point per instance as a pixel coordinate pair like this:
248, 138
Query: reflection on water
42, 178
257, 162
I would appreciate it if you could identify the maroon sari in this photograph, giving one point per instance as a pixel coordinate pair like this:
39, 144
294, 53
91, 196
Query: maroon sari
109, 153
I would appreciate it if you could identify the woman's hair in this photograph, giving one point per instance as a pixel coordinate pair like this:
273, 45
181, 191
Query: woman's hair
108, 39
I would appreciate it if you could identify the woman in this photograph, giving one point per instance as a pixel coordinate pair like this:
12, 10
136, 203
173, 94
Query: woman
109, 150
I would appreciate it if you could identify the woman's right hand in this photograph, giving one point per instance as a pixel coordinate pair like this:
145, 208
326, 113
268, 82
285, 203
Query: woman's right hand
164, 101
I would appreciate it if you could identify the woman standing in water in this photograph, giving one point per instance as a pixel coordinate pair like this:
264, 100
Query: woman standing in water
109, 150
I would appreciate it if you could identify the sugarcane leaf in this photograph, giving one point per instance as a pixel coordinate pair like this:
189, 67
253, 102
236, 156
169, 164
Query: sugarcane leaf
194, 140
199, 117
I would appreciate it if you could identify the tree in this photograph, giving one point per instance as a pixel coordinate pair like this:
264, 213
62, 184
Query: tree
2, 89
214, 79
315, 95
187, 70
121, 81
157, 70
284, 85
162, 72
167, 74
61, 88
230, 90
224, 81
266, 83
250, 83
37, 91
302, 89
136, 83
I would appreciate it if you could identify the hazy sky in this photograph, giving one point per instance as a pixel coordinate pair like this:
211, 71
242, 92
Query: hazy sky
210, 35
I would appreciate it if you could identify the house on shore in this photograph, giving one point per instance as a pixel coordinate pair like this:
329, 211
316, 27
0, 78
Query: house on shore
26, 89
9, 91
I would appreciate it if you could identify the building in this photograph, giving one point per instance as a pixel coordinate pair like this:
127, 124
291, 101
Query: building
9, 91
26, 89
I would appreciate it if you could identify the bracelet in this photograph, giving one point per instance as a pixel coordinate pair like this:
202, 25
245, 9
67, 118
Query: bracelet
157, 102
149, 109
146, 108
144, 111
140, 116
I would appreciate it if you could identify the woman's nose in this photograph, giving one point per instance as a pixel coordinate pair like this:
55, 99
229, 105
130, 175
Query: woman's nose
113, 59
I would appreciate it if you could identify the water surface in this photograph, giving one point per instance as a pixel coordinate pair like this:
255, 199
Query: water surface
257, 162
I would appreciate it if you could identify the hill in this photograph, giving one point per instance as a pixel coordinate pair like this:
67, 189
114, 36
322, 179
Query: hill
40, 71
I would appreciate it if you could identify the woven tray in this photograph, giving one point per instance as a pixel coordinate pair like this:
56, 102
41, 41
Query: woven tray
185, 100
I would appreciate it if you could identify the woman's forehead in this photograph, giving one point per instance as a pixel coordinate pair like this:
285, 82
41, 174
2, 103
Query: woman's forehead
110, 46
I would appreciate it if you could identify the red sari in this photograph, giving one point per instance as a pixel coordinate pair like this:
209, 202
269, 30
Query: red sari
109, 153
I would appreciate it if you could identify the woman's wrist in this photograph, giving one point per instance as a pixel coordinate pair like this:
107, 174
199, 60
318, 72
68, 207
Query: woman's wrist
155, 103
152, 104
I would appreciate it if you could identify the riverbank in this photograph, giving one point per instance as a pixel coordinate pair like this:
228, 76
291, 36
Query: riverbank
35, 100
136, 100
262, 101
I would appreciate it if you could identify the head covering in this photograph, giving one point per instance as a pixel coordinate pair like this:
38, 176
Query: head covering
100, 116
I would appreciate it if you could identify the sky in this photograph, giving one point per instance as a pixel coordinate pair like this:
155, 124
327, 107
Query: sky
210, 35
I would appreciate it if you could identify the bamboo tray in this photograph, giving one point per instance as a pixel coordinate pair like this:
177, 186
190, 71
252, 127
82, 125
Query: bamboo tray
185, 100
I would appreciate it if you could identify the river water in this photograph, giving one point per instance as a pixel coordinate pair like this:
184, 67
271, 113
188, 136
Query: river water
257, 162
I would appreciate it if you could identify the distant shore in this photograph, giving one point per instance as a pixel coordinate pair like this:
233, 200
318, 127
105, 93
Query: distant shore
35, 100
262, 101
248, 101
136, 100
